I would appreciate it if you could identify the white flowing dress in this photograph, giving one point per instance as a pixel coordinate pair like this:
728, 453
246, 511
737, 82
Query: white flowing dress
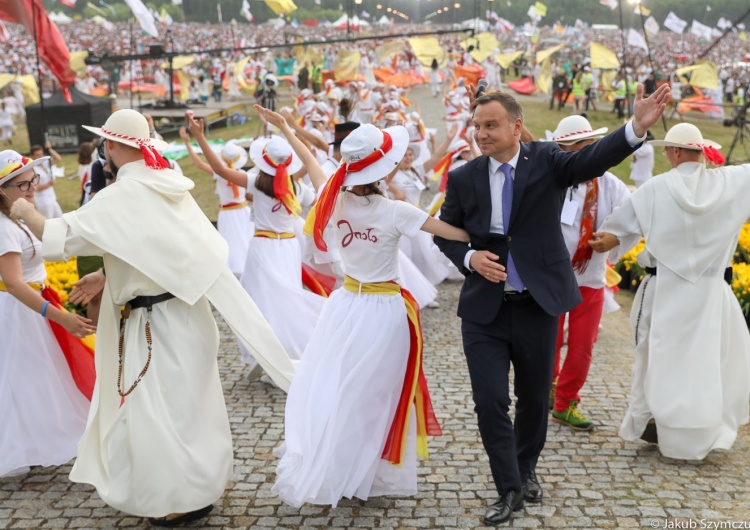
273, 274
43, 414
234, 222
344, 395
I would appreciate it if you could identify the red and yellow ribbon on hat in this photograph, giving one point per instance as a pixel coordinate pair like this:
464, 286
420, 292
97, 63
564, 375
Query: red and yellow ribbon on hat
283, 189
230, 164
10, 168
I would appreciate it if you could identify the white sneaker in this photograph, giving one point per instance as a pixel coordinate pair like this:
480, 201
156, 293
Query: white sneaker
433, 304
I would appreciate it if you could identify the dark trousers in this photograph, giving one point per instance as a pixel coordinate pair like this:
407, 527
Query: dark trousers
522, 334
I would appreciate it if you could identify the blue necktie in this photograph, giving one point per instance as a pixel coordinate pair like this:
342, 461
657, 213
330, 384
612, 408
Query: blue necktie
514, 280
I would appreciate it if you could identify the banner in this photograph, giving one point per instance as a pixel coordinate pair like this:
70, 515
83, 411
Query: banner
674, 23
636, 39
603, 57
544, 78
506, 59
143, 16
612, 4
426, 49
281, 7
652, 26
701, 30
50, 44
388, 50
346, 66
545, 54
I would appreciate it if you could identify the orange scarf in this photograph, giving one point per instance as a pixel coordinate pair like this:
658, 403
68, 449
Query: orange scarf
584, 251
283, 189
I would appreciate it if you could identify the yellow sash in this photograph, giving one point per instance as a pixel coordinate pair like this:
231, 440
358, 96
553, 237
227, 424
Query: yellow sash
233, 206
33, 285
354, 286
273, 235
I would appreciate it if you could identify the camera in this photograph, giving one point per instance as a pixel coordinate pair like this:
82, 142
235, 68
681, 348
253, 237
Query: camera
270, 83
738, 120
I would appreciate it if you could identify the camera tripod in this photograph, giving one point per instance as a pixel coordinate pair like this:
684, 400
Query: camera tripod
739, 144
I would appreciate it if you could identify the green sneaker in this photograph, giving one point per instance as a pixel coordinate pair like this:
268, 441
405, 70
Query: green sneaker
552, 395
573, 418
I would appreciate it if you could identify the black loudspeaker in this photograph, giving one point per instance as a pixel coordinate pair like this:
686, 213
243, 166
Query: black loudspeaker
156, 49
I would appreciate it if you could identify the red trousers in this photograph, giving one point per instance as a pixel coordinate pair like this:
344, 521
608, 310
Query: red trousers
583, 327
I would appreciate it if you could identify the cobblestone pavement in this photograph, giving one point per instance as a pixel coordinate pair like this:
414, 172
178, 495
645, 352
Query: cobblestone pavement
590, 480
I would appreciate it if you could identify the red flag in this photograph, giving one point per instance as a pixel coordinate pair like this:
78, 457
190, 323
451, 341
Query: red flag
3, 32
52, 49
69, 3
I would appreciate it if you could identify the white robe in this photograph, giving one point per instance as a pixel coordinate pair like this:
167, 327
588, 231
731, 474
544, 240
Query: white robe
166, 448
692, 356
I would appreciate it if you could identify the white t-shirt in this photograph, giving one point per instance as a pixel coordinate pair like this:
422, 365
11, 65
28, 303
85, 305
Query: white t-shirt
226, 191
642, 166
13, 239
46, 175
269, 213
367, 231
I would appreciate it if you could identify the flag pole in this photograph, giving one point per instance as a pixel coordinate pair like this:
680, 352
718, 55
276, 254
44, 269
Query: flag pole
624, 61
39, 72
132, 51
650, 60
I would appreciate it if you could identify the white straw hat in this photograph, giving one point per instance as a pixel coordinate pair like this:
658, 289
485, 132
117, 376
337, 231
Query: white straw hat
13, 164
128, 127
364, 141
278, 151
234, 156
575, 128
686, 136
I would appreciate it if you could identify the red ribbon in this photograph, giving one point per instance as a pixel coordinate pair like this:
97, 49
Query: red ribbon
281, 185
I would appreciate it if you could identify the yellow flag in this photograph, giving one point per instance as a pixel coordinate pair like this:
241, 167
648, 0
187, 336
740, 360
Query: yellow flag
640, 10
428, 48
387, 50
541, 9
608, 76
346, 67
29, 89
703, 74
77, 60
559, 28
603, 57
184, 84
180, 62
506, 59
281, 6
306, 54
743, 36
545, 54
544, 78
239, 66
484, 44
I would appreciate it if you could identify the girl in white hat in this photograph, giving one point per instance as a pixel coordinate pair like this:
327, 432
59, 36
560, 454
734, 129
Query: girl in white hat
351, 425
44, 412
235, 218
272, 274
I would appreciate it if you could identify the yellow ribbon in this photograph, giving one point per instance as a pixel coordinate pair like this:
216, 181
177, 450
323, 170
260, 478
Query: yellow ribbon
355, 286
274, 235
33, 285
234, 206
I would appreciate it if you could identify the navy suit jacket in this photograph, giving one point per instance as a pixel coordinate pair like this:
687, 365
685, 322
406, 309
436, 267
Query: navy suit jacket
542, 175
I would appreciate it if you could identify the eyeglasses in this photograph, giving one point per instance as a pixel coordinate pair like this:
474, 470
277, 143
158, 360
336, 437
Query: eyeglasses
25, 185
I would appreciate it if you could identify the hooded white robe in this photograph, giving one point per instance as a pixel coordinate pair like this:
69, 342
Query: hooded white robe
692, 355
166, 447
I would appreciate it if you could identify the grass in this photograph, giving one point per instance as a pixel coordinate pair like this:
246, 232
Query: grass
537, 115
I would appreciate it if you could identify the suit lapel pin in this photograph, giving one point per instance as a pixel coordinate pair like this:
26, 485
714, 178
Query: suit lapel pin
526, 158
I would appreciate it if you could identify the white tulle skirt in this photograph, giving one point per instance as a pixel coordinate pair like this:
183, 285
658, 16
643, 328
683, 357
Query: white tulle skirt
425, 255
342, 402
236, 227
43, 414
273, 278
415, 282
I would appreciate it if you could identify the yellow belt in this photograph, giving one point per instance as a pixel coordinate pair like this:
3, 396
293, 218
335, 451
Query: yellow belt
354, 286
33, 285
274, 235
233, 206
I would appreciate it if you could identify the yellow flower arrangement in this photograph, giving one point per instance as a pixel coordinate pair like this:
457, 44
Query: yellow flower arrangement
62, 276
741, 285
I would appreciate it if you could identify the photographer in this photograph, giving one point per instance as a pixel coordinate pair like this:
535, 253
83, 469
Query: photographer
266, 93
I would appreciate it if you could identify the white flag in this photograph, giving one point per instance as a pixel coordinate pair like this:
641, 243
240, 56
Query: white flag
176, 2
723, 23
612, 4
674, 23
246, 11
716, 32
156, 16
143, 16
636, 39
700, 30
652, 26
218, 12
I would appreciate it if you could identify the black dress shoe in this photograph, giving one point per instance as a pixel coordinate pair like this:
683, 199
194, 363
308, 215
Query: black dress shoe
532, 491
649, 434
500, 511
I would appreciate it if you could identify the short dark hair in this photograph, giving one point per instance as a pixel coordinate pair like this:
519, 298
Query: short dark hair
36, 147
506, 100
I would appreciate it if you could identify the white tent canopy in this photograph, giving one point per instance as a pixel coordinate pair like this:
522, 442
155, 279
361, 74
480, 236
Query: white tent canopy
384, 21
475, 23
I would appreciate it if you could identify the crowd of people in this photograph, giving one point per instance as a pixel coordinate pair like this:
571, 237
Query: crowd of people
324, 256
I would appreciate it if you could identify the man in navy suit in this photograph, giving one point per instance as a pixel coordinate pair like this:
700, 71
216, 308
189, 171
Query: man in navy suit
519, 279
